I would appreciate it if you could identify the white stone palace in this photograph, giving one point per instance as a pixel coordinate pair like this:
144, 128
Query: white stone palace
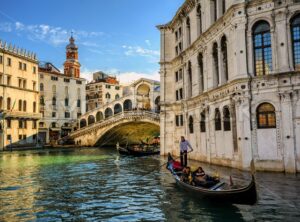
230, 82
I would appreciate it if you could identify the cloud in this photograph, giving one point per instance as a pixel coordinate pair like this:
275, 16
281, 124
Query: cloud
140, 51
50, 34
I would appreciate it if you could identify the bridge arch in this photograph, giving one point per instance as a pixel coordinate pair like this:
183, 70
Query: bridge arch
127, 105
91, 119
99, 116
83, 123
108, 112
117, 108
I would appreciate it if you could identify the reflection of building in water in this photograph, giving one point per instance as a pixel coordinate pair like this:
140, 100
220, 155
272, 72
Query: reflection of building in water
19, 104
230, 82
103, 89
62, 96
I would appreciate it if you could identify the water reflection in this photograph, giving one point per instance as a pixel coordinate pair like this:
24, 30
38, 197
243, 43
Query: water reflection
99, 185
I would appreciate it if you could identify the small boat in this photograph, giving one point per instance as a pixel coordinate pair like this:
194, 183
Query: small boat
138, 150
221, 191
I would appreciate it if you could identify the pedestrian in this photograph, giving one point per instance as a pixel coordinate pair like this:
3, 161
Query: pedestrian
184, 146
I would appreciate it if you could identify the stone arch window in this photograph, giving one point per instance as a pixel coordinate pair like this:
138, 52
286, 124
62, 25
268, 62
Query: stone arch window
34, 107
41, 87
1, 102
107, 96
226, 119
99, 116
91, 119
108, 112
224, 57
202, 122
201, 74
295, 33
218, 122
8, 104
54, 101
188, 31
199, 19
191, 125
266, 116
190, 78
127, 105
262, 47
216, 63
54, 88
82, 123
24, 106
117, 108
117, 96
20, 105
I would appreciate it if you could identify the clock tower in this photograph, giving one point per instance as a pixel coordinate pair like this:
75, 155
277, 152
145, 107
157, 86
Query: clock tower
72, 65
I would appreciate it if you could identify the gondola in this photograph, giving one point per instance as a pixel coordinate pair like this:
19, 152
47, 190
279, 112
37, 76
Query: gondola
138, 150
220, 192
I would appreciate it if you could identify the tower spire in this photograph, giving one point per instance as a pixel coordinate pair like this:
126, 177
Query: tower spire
72, 65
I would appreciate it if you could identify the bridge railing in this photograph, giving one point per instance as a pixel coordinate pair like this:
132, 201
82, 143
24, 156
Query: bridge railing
117, 117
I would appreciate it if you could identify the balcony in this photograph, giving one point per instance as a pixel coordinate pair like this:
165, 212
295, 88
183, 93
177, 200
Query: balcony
18, 114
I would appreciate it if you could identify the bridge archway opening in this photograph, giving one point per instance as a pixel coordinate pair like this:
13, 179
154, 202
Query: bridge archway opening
91, 119
99, 116
143, 97
157, 104
82, 123
127, 105
117, 108
132, 132
108, 112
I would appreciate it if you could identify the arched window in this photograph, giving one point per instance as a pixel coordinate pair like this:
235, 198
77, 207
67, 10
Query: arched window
295, 29
266, 117
117, 96
41, 87
224, 57
24, 106
218, 123
20, 105
34, 107
127, 105
201, 76
190, 78
199, 16
202, 123
226, 119
262, 48
8, 105
191, 125
107, 96
108, 112
216, 64
91, 119
82, 123
54, 101
188, 31
99, 116
117, 108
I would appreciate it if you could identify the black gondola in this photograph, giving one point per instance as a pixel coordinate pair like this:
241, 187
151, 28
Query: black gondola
221, 191
138, 150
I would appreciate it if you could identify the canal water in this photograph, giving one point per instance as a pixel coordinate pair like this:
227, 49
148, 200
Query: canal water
100, 185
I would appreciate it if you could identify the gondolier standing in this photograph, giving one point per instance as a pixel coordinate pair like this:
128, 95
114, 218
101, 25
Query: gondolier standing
184, 146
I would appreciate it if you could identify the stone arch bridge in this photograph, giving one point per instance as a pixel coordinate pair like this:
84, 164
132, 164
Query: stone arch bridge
134, 124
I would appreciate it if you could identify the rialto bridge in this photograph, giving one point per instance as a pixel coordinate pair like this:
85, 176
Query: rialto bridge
132, 118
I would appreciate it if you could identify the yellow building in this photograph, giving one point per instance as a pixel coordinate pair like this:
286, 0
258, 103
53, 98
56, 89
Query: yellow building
19, 96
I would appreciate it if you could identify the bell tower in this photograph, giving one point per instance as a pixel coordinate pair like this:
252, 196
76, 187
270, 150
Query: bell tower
72, 65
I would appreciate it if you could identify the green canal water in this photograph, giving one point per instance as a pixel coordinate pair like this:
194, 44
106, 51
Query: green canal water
100, 185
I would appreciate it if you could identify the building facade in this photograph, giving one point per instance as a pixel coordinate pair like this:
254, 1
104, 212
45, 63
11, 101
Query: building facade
102, 90
230, 82
62, 97
19, 97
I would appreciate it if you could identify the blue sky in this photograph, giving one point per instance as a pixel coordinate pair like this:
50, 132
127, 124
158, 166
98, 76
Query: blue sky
117, 36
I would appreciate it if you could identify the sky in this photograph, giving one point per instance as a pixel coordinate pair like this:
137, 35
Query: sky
115, 36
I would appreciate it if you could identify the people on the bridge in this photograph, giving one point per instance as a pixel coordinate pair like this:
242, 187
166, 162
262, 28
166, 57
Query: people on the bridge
184, 146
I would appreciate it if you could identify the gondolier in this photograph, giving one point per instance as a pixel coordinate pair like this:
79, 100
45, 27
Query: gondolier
184, 146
